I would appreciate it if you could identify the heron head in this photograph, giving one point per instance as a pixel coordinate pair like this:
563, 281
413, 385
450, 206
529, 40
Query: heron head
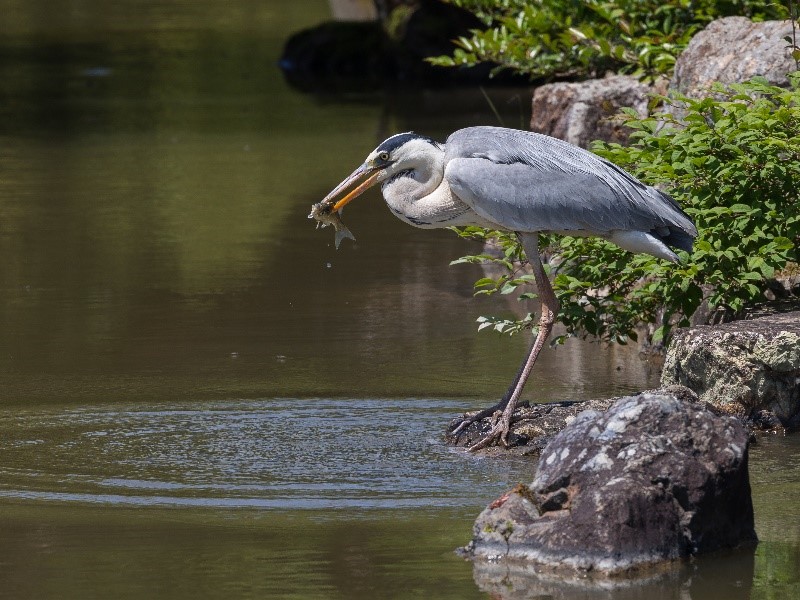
398, 153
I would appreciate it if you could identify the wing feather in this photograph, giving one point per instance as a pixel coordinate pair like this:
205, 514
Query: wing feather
525, 181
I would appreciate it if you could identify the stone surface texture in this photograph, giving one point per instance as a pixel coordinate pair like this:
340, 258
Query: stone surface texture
731, 50
582, 112
651, 480
743, 368
534, 425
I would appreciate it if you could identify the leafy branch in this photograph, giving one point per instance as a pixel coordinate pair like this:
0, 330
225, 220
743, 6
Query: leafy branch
733, 163
582, 38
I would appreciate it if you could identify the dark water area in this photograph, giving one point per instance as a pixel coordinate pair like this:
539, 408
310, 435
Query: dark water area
200, 396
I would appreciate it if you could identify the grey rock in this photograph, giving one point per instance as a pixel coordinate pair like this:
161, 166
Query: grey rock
653, 479
732, 50
582, 112
745, 368
534, 425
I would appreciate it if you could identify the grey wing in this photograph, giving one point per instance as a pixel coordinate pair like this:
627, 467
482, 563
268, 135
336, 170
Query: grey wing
525, 181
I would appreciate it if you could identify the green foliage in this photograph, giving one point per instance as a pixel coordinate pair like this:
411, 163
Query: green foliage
734, 166
509, 260
563, 38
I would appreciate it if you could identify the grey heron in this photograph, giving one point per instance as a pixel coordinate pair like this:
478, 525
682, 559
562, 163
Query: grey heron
521, 182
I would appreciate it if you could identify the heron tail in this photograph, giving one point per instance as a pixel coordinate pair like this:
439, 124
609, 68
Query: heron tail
675, 237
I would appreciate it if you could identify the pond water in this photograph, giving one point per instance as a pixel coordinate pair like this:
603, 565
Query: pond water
200, 396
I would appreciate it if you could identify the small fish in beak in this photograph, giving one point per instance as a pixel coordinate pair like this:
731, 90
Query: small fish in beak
325, 215
328, 211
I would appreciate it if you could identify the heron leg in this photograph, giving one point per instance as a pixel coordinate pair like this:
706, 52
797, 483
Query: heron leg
549, 310
501, 405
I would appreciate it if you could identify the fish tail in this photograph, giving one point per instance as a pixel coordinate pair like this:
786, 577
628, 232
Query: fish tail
342, 233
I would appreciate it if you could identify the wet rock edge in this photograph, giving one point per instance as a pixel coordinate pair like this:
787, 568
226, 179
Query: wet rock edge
708, 506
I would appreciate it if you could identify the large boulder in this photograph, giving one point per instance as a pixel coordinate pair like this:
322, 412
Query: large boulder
731, 50
746, 368
653, 479
582, 112
728, 50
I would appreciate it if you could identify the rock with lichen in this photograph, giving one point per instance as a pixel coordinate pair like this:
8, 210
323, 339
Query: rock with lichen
747, 368
652, 480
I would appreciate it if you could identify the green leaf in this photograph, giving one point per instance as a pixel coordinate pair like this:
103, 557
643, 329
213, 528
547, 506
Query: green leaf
485, 282
508, 288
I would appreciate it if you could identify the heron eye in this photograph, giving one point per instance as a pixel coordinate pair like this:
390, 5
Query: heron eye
384, 156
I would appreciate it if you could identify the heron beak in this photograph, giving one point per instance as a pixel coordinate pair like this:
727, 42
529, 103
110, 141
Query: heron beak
365, 169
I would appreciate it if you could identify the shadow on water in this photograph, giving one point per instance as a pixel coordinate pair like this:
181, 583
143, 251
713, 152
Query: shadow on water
199, 396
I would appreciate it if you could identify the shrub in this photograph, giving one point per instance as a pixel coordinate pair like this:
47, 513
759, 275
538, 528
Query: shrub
579, 38
734, 166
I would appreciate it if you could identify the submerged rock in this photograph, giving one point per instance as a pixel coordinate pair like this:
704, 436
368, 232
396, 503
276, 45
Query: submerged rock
684, 580
532, 426
747, 368
652, 479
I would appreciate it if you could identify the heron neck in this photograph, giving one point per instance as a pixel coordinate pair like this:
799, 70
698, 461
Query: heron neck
421, 197
416, 182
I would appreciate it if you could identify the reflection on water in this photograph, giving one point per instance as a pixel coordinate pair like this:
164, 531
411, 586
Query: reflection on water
156, 178
66, 553
185, 360
725, 576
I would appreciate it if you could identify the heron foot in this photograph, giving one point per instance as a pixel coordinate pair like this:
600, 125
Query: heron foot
477, 416
497, 435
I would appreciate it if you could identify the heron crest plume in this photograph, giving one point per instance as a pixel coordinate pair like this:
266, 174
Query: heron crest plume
401, 139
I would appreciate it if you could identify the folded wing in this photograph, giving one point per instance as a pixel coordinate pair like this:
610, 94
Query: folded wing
529, 182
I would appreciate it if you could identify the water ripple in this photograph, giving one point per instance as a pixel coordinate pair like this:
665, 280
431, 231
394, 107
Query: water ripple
278, 453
